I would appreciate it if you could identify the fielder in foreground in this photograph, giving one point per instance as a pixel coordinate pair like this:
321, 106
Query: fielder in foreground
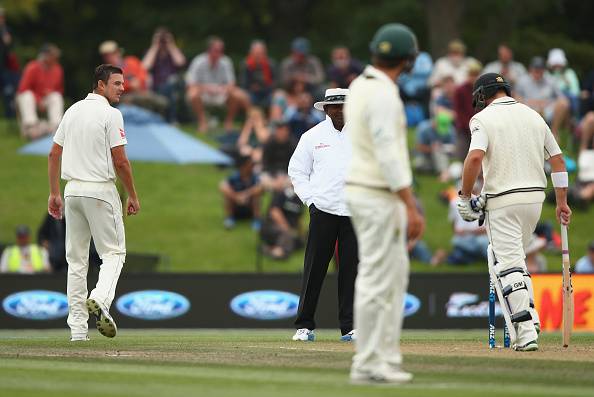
512, 142
381, 202
91, 141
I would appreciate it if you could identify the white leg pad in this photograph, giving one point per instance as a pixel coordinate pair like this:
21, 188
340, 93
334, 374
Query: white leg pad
532, 309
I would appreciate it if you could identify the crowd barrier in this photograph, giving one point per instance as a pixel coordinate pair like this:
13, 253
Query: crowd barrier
173, 300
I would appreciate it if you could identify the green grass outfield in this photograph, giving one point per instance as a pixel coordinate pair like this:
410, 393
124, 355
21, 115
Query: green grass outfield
182, 214
262, 363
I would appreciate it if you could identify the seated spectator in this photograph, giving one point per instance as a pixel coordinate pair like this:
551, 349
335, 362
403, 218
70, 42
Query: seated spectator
535, 260
136, 78
281, 229
469, 243
40, 90
586, 263
540, 92
163, 61
254, 135
210, 81
241, 195
258, 74
343, 69
303, 66
303, 116
581, 194
275, 157
505, 65
435, 137
414, 86
286, 99
464, 111
9, 68
454, 64
565, 77
52, 236
24, 257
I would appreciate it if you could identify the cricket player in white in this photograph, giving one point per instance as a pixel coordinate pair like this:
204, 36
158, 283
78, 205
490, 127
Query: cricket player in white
91, 141
512, 142
381, 203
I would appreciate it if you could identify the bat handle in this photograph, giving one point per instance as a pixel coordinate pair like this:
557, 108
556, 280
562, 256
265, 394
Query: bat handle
564, 245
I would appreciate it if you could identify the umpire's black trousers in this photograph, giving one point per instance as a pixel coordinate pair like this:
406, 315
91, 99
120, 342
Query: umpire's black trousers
324, 231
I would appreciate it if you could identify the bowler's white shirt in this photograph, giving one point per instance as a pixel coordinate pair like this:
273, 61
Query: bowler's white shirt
319, 166
87, 132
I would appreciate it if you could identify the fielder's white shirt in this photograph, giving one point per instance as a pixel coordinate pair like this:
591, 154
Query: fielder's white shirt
516, 141
319, 165
87, 132
377, 124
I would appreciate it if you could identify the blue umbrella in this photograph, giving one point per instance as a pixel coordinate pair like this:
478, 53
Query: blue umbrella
151, 139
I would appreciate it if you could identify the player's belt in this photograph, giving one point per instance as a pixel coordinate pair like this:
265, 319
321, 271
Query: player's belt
382, 188
517, 190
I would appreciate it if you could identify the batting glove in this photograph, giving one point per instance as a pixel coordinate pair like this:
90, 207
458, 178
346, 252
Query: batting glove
471, 209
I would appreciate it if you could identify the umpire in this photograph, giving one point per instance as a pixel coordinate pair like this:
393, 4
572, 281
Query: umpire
318, 169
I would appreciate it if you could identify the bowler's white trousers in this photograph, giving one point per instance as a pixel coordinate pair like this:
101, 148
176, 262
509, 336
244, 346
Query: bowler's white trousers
379, 220
92, 210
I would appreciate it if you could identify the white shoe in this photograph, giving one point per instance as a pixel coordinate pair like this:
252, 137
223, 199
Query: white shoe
304, 334
105, 324
79, 338
385, 377
349, 337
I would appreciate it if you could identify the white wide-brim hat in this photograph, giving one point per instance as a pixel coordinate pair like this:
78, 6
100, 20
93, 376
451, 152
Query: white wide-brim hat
333, 96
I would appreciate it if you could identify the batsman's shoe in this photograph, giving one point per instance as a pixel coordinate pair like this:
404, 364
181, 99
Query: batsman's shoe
79, 338
528, 347
392, 377
304, 334
349, 337
105, 324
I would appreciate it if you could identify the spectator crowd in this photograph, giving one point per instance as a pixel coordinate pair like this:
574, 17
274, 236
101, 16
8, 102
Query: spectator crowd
274, 101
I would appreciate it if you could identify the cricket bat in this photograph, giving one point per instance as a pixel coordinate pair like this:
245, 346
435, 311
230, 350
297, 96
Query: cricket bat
567, 289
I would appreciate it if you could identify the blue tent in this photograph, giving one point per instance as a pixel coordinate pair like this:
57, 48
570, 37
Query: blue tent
151, 139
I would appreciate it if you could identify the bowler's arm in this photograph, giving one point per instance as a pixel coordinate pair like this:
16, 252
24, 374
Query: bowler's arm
54, 202
123, 169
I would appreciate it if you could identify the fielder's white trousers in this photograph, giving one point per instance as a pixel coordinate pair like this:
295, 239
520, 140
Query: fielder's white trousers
92, 210
510, 229
379, 220
53, 102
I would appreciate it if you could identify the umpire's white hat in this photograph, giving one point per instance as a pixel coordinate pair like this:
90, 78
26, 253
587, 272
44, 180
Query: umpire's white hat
333, 96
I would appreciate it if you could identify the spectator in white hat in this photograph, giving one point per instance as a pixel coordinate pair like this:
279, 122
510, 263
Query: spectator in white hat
565, 77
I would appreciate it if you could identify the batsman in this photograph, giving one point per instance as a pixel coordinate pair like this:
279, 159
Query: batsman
511, 142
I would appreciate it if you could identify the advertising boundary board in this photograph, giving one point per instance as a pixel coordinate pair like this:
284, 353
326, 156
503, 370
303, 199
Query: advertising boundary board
176, 300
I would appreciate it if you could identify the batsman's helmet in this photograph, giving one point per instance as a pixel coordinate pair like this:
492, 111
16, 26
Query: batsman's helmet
394, 41
487, 86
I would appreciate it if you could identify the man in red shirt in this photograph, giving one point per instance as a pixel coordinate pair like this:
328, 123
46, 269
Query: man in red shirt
41, 89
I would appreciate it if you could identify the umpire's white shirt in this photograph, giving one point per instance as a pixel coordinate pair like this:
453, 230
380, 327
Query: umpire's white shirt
319, 165
516, 141
88, 131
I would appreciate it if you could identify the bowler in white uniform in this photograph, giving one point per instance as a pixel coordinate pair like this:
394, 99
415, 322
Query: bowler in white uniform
90, 142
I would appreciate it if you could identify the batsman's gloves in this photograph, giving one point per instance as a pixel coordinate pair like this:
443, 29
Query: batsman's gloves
471, 208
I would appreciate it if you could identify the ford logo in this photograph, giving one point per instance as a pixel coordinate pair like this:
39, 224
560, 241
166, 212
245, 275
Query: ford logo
153, 304
411, 305
36, 305
265, 305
